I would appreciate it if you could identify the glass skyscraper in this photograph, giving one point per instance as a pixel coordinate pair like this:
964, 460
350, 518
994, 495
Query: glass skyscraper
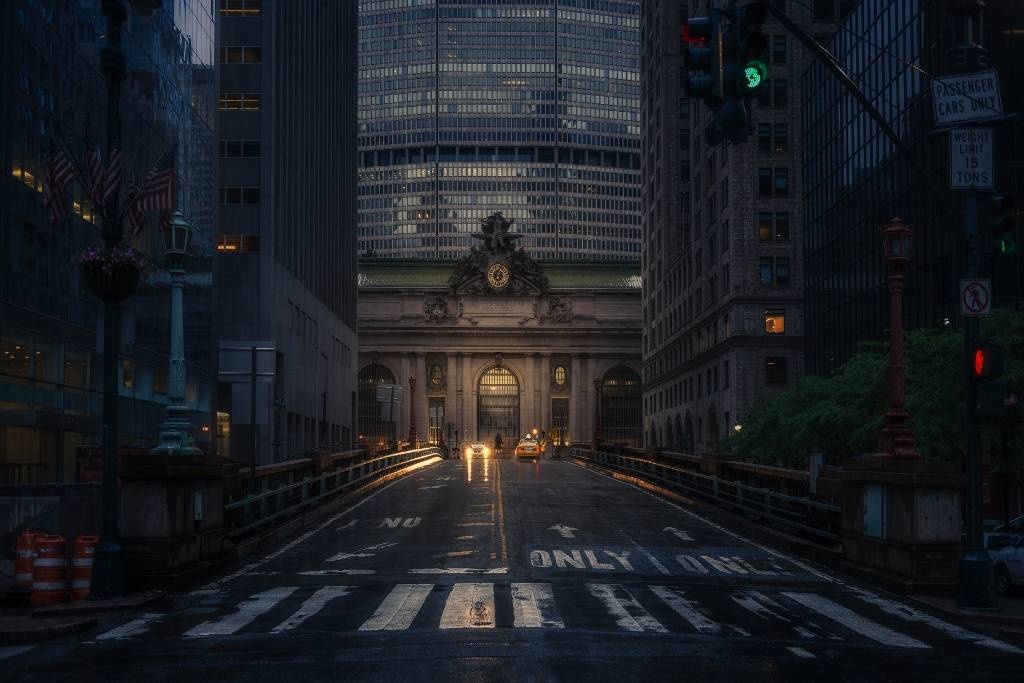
530, 108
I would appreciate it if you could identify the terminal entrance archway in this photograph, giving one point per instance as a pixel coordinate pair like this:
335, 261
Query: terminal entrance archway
497, 407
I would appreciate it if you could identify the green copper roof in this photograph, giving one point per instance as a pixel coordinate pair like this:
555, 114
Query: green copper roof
411, 274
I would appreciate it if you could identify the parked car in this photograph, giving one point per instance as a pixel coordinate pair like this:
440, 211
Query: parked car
1008, 563
1005, 535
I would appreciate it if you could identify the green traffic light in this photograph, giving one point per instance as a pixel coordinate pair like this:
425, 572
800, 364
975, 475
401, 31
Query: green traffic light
753, 78
754, 73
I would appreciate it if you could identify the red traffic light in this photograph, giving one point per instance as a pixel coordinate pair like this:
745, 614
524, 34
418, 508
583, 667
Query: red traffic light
986, 361
980, 357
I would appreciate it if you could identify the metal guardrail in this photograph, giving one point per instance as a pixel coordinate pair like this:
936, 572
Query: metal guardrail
816, 519
269, 506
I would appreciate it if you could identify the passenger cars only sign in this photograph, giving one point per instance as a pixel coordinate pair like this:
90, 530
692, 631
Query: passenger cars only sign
969, 97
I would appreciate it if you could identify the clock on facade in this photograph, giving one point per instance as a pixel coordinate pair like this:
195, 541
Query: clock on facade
498, 275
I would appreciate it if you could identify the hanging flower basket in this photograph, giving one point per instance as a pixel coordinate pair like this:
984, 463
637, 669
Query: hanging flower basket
112, 272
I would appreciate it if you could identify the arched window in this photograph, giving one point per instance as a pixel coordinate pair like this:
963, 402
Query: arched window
561, 376
621, 408
498, 406
374, 430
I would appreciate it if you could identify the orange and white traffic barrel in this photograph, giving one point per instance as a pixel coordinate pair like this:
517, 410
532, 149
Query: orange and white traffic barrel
24, 553
81, 566
49, 571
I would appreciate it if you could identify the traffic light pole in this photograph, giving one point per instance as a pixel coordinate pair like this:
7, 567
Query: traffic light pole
975, 581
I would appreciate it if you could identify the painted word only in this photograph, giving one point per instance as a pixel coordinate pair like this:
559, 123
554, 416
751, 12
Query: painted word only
607, 560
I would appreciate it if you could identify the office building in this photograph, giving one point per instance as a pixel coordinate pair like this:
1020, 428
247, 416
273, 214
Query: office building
286, 240
723, 288
530, 108
856, 180
53, 96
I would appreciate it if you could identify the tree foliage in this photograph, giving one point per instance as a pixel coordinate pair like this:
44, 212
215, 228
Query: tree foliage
841, 415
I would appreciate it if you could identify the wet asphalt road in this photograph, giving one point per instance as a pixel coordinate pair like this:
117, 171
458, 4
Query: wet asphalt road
494, 570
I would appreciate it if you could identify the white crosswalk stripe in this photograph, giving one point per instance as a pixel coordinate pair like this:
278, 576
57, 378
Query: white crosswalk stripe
469, 605
247, 612
628, 612
853, 621
910, 614
311, 606
533, 606
399, 608
135, 627
686, 609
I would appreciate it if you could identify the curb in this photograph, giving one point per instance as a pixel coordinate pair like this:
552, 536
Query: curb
982, 618
27, 632
98, 606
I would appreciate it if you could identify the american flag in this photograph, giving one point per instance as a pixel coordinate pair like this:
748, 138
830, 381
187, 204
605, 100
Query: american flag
135, 215
112, 178
59, 172
158, 189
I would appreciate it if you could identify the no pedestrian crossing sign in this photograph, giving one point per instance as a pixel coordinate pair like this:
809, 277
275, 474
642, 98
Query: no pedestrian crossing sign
967, 97
975, 297
970, 159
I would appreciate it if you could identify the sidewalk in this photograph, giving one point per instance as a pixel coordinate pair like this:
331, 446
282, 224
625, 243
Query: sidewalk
1009, 618
25, 624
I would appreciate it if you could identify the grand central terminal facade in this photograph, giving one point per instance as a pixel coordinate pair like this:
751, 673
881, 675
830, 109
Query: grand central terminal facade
497, 343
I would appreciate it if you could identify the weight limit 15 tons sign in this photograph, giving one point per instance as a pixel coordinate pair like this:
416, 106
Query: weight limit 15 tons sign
970, 159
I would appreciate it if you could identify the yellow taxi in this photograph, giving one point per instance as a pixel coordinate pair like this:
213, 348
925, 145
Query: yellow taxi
528, 447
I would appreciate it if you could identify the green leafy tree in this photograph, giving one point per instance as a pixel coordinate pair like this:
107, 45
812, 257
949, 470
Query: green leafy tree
841, 415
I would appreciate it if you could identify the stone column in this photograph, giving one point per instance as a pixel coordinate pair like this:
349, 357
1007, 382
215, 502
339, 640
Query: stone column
450, 411
460, 393
402, 423
529, 408
470, 388
544, 381
576, 395
419, 427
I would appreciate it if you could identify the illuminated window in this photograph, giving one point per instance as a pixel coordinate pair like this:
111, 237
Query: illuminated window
240, 55
238, 244
127, 374
561, 375
240, 8
238, 101
775, 321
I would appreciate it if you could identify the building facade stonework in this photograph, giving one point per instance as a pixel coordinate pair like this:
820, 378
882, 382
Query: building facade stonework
498, 345
722, 256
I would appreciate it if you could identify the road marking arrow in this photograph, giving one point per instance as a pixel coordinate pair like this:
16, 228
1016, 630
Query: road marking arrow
565, 531
360, 553
680, 534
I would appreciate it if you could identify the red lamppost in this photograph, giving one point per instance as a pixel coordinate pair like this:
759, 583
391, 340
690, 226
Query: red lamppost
897, 439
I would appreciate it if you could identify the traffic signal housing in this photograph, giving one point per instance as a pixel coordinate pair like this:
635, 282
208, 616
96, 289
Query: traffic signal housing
703, 57
1004, 225
986, 361
750, 45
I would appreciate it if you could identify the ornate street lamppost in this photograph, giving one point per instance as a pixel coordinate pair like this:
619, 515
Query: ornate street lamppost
897, 439
598, 432
177, 436
108, 576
